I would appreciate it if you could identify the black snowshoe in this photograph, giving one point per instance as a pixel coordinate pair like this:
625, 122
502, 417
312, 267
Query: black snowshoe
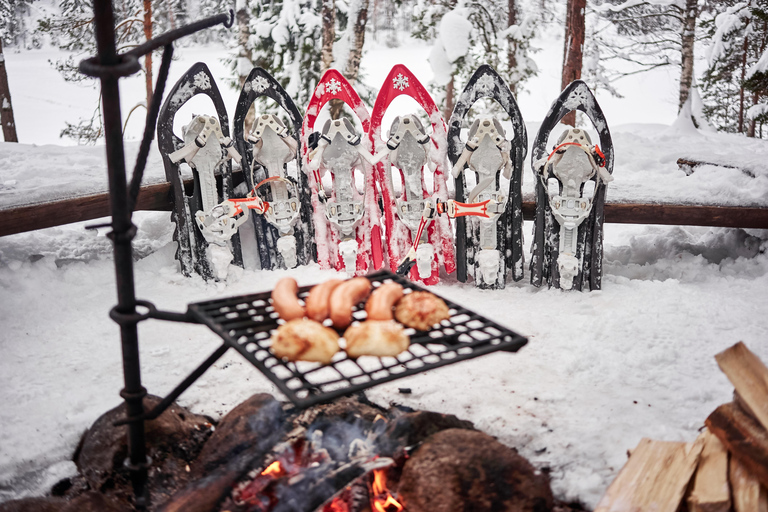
487, 248
567, 249
208, 151
284, 233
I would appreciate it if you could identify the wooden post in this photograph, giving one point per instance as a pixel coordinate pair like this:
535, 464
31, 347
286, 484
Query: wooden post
6, 108
148, 57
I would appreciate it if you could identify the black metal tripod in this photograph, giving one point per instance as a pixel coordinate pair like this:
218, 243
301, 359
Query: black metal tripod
109, 67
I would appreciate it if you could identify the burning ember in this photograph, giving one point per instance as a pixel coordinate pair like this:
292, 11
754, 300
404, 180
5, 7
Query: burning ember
374, 496
381, 499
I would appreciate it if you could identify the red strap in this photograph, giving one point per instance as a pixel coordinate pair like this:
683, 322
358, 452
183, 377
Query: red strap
600, 154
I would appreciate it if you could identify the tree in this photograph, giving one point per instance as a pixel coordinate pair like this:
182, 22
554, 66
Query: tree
735, 84
573, 48
6, 107
72, 30
651, 34
468, 33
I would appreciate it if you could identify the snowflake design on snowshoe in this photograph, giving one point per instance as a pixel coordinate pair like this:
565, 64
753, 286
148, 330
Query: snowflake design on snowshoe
400, 82
333, 86
259, 84
580, 96
485, 84
202, 81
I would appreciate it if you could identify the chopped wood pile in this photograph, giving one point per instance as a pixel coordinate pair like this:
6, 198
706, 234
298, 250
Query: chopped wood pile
725, 469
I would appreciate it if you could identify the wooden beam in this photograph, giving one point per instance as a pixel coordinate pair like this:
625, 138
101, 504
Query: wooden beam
749, 377
77, 209
710, 492
654, 478
157, 197
748, 494
744, 437
678, 215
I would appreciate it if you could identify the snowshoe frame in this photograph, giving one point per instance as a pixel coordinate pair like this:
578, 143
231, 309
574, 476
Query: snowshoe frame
510, 223
191, 251
546, 237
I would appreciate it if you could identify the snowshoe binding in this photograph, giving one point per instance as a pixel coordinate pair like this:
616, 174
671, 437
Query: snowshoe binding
284, 232
489, 246
411, 150
571, 182
205, 246
347, 230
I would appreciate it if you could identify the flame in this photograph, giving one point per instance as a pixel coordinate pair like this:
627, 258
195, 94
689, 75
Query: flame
383, 501
274, 470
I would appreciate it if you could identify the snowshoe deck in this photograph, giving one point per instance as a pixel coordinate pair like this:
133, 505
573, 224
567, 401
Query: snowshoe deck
192, 252
486, 83
347, 217
402, 213
261, 84
546, 239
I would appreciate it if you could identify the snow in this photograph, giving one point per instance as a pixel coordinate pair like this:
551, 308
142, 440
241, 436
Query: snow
601, 369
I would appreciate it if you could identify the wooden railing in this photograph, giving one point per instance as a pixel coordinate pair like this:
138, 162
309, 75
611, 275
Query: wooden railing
158, 197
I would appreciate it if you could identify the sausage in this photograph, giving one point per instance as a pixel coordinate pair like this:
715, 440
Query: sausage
383, 299
344, 297
285, 299
319, 299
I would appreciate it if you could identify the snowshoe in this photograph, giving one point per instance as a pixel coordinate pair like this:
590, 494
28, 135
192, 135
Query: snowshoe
284, 232
208, 150
347, 231
571, 182
487, 248
409, 149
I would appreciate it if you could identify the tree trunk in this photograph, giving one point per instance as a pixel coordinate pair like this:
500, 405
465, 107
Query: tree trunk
6, 108
448, 110
753, 122
512, 48
687, 40
244, 54
574, 48
329, 32
352, 68
148, 57
741, 83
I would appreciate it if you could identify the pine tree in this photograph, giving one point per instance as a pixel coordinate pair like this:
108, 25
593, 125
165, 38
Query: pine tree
649, 34
735, 85
499, 37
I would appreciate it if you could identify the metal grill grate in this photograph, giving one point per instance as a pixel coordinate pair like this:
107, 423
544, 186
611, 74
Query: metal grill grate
247, 322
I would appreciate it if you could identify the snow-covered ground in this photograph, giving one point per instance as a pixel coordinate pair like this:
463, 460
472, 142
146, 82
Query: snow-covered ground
601, 369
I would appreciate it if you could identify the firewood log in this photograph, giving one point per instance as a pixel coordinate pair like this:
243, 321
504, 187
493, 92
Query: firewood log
748, 494
744, 437
750, 378
710, 491
654, 478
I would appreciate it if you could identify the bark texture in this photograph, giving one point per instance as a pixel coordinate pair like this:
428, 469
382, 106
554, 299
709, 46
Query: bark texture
6, 108
687, 39
574, 48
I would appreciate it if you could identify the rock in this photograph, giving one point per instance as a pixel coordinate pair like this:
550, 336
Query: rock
88, 502
412, 428
457, 470
173, 440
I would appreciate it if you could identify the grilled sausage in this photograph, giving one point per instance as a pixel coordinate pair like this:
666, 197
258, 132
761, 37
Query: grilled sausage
344, 297
319, 299
285, 299
383, 299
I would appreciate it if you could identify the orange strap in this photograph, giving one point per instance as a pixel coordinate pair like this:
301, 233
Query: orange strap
597, 150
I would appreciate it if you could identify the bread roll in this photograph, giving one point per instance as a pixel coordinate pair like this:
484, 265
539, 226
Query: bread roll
421, 310
305, 340
376, 338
